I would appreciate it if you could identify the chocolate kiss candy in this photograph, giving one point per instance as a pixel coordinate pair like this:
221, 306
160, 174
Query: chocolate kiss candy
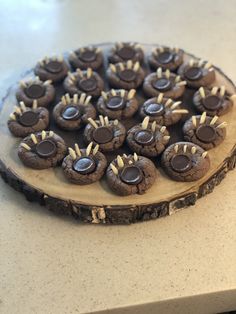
71, 113
88, 85
165, 57
126, 53
53, 66
46, 148
88, 56
115, 103
127, 75
84, 165
144, 137
181, 163
131, 175
28, 118
35, 91
212, 102
154, 109
102, 135
162, 84
206, 133
193, 73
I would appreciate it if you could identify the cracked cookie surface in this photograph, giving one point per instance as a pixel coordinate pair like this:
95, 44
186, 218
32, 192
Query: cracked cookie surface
197, 73
54, 69
86, 57
34, 89
166, 82
204, 131
131, 174
165, 111
147, 139
215, 101
166, 58
185, 161
122, 52
109, 134
126, 75
118, 104
24, 120
72, 113
42, 150
84, 166
86, 81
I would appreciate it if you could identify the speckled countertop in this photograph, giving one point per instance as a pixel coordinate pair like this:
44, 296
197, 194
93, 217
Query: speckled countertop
184, 263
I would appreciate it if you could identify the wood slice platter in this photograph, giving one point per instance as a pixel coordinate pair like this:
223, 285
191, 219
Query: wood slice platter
96, 203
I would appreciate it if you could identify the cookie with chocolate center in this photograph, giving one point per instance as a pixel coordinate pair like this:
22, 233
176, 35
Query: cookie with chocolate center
87, 81
35, 89
214, 101
42, 150
147, 139
204, 131
86, 57
166, 58
125, 75
185, 161
110, 135
84, 166
123, 52
197, 73
54, 69
165, 111
118, 104
24, 120
71, 113
128, 175
166, 83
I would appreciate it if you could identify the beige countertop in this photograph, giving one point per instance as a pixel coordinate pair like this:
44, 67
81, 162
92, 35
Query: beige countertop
184, 263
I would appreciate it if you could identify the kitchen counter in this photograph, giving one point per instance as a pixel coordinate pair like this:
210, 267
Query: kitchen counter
184, 263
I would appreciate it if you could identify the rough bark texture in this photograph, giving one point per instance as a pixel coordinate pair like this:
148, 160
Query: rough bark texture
117, 214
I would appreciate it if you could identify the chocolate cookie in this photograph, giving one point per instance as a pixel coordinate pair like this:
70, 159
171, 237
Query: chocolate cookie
35, 89
54, 69
164, 111
84, 166
86, 81
122, 52
72, 113
204, 131
118, 104
148, 139
215, 101
42, 150
24, 120
125, 75
163, 82
86, 57
110, 135
166, 58
184, 161
128, 175
197, 73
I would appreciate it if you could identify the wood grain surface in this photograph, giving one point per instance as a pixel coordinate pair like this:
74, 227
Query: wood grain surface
96, 203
